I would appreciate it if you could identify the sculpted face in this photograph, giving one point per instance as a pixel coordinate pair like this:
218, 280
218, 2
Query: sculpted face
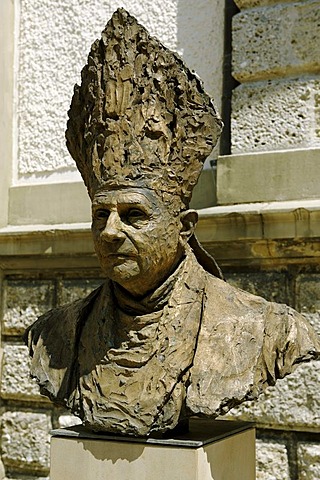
138, 240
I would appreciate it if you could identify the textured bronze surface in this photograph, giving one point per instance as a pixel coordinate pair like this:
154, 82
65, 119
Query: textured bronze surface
164, 338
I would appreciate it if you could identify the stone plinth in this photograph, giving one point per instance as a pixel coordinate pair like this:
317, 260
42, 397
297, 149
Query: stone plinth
220, 450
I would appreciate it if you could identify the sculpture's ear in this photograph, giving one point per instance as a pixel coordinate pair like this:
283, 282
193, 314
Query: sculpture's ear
189, 219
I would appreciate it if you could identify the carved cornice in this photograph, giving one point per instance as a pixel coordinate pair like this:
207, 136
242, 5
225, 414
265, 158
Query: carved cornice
258, 233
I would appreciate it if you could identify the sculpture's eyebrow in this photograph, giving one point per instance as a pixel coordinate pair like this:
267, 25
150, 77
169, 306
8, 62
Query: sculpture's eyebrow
134, 201
144, 203
101, 202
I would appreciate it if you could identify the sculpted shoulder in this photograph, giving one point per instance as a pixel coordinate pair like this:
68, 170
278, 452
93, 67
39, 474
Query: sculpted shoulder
245, 344
52, 341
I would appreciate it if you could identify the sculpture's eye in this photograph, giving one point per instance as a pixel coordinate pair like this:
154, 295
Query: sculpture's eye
135, 217
101, 214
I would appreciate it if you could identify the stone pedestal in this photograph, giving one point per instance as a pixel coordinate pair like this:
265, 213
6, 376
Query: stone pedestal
220, 450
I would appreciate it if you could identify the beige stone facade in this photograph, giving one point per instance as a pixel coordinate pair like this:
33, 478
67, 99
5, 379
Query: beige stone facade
264, 231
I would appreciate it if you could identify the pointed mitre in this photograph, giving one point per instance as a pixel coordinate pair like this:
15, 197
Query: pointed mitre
140, 117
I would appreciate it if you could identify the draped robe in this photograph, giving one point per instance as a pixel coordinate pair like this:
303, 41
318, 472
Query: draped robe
195, 346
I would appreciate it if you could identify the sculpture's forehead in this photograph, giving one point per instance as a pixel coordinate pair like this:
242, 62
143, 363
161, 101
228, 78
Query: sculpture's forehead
132, 196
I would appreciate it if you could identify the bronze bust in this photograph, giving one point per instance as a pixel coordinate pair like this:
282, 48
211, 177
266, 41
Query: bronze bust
164, 337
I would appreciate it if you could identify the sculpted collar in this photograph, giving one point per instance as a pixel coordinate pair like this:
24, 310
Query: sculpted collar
153, 302
139, 385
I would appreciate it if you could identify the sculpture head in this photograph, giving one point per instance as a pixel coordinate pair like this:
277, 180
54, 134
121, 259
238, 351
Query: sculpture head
139, 238
140, 127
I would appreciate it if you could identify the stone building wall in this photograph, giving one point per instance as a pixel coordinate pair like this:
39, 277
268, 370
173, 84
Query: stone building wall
287, 415
265, 231
269, 193
27, 417
54, 39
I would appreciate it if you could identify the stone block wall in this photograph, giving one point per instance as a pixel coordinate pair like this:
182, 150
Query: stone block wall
275, 127
276, 60
26, 416
287, 415
54, 41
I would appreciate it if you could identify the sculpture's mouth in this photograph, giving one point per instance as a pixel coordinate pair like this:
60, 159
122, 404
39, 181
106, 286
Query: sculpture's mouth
120, 255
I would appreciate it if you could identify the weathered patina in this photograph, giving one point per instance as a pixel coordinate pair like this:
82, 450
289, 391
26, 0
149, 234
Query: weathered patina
164, 337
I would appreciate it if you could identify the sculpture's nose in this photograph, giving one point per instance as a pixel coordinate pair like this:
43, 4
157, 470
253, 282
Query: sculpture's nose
112, 231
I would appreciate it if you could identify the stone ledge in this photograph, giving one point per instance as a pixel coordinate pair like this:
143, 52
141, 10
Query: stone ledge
265, 230
47, 240
69, 202
265, 176
29, 203
260, 221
